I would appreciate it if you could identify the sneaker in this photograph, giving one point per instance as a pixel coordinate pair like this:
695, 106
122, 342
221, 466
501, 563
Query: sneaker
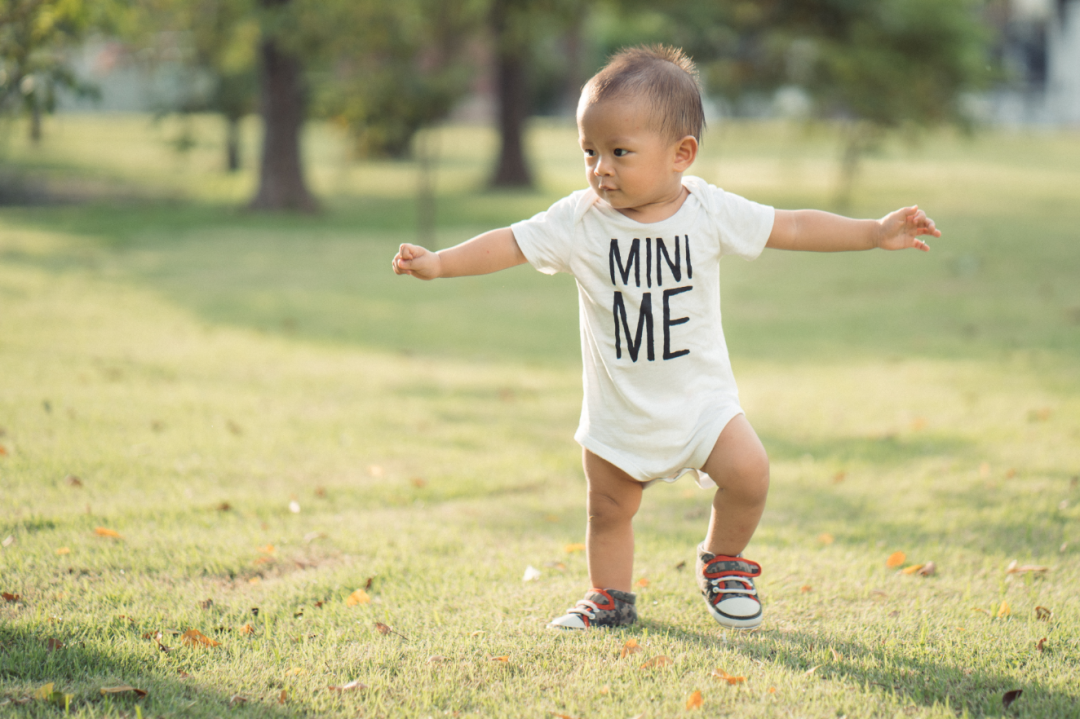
728, 586
599, 608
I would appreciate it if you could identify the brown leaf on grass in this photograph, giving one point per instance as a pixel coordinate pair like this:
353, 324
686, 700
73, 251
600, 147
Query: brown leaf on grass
282, 697
657, 662
263, 560
318, 604
54, 644
10, 597
772, 690
61, 551
631, 647
106, 532
912, 569
1004, 610
811, 670
835, 655
1043, 614
268, 549
350, 686
695, 701
124, 689
183, 675
805, 589
72, 481
436, 659
980, 609
224, 507
358, 597
369, 582
680, 566
3, 451
320, 492
1025, 568
206, 603
839, 477
574, 547
826, 538
418, 482
725, 677
1010, 473
1009, 697
237, 699
505, 658
385, 629
895, 560
246, 629
1041, 644
643, 582
195, 638
561, 716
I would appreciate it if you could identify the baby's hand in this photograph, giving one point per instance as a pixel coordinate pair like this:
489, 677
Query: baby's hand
417, 261
900, 230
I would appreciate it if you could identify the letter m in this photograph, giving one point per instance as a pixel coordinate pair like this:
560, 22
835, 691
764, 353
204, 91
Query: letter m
633, 262
644, 323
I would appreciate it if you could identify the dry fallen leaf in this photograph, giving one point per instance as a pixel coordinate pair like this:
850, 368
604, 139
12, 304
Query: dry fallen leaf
504, 658
206, 603
839, 477
631, 647
350, 686
237, 699
643, 582
294, 672
695, 701
575, 547
811, 670
680, 566
385, 629
106, 532
724, 676
806, 588
912, 569
1025, 568
124, 689
557, 715
657, 662
358, 597
1009, 697
268, 549
62, 551
980, 609
895, 559
247, 629
196, 638
418, 482
436, 659
1004, 610
10, 597
183, 675
72, 481
772, 690
1043, 614
54, 644
835, 655
1041, 644
826, 538
282, 697
224, 507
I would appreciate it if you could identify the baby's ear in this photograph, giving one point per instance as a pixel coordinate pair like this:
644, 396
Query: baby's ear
685, 153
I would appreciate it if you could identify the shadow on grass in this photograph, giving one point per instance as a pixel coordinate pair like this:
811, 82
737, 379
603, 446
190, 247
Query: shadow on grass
26, 659
921, 682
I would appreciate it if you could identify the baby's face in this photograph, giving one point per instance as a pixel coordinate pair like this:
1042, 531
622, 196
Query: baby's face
627, 163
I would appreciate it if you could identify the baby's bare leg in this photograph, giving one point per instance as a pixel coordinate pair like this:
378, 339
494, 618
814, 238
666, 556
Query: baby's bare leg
614, 498
739, 466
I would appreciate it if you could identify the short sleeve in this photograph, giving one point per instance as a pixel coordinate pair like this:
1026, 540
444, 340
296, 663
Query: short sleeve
744, 225
547, 238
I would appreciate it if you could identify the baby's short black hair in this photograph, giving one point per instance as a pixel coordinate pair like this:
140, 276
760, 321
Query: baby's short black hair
663, 77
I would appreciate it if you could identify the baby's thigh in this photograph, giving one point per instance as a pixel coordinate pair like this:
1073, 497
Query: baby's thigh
738, 458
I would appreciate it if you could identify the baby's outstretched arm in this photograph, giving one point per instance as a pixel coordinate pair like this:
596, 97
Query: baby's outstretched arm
817, 231
490, 252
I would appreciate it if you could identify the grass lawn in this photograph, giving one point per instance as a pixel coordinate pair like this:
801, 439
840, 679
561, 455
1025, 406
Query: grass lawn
270, 421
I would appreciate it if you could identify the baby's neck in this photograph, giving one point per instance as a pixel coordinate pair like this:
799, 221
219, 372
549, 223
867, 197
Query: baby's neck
660, 209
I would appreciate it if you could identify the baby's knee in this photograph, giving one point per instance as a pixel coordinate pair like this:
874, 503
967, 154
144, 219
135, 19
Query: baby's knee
605, 509
749, 478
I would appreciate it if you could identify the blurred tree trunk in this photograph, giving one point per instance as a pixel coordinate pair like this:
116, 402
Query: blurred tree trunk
232, 143
281, 176
511, 170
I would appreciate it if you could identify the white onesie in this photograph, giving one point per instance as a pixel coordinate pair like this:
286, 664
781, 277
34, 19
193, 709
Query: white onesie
658, 382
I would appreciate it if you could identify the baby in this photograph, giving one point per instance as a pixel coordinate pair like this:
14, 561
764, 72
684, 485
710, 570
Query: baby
644, 244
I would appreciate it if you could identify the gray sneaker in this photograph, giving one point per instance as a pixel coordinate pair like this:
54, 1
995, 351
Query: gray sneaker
599, 608
728, 586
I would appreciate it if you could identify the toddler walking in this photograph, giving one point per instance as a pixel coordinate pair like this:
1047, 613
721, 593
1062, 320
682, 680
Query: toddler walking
644, 244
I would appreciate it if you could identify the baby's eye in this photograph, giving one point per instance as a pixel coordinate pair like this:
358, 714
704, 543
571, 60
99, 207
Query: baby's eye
590, 153
620, 152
